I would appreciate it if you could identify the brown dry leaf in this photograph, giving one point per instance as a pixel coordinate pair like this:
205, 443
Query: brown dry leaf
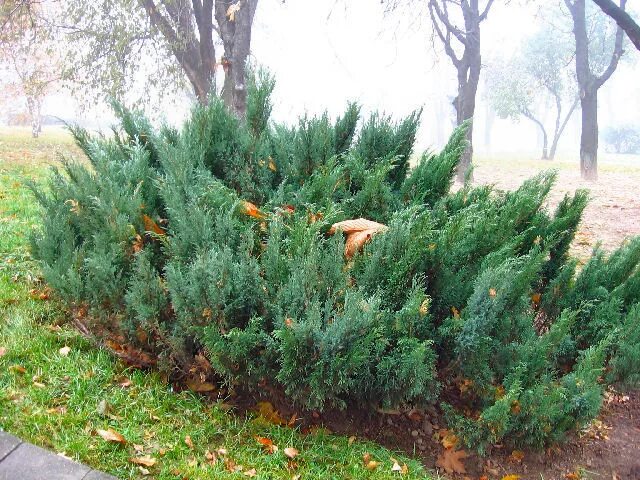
573, 476
535, 298
232, 10
3, 351
18, 369
64, 351
188, 442
517, 456
138, 448
272, 165
151, 226
250, 473
144, 471
455, 312
291, 452
356, 241
110, 435
452, 460
124, 382
145, 461
515, 407
266, 411
492, 292
39, 385
61, 410
352, 439
195, 384
356, 225
222, 451
366, 458
267, 443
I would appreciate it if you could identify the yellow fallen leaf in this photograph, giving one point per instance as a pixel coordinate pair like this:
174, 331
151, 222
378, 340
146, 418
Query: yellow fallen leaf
371, 465
110, 435
511, 477
188, 442
145, 461
250, 473
64, 351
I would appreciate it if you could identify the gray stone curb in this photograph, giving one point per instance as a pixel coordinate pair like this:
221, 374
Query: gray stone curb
23, 461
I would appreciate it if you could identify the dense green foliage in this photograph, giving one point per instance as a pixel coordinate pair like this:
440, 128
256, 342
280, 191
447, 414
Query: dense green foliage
469, 299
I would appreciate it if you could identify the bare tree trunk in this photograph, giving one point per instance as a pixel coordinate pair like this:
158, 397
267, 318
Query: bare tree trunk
560, 127
589, 135
589, 83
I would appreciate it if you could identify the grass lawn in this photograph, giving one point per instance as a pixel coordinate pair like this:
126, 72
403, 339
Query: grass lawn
57, 390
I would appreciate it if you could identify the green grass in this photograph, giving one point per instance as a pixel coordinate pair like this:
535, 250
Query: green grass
53, 400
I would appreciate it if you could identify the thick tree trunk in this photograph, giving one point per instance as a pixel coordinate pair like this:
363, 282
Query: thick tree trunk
465, 105
589, 135
236, 39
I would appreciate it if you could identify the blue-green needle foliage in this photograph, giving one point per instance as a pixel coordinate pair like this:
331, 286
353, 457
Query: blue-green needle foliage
213, 239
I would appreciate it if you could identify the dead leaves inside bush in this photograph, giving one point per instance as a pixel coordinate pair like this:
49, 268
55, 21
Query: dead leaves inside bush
358, 231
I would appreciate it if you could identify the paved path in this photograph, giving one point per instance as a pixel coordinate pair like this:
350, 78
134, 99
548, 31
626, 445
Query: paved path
23, 461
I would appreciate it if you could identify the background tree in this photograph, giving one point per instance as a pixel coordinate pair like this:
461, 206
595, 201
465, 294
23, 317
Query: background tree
27, 57
533, 82
622, 18
457, 25
122, 44
592, 71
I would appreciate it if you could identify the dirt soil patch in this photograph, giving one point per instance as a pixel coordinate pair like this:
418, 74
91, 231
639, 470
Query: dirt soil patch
608, 449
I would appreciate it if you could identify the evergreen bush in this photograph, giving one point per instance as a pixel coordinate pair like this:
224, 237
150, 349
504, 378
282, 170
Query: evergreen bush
214, 240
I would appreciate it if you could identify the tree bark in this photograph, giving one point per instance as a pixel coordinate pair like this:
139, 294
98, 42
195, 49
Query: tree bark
589, 83
196, 54
560, 127
467, 66
623, 19
589, 136
236, 39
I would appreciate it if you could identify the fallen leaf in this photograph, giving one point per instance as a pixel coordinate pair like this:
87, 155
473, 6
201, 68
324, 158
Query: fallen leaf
110, 435
250, 473
198, 386
291, 452
39, 385
272, 165
267, 443
371, 465
449, 440
211, 457
517, 456
103, 408
266, 411
232, 10
492, 292
352, 439
64, 351
124, 382
145, 461
573, 476
3, 351
138, 448
151, 226
452, 460
456, 312
144, 471
18, 369
511, 477
250, 209
61, 410
356, 225
222, 451
188, 442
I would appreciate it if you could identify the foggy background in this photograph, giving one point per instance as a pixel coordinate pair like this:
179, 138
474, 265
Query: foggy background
326, 53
